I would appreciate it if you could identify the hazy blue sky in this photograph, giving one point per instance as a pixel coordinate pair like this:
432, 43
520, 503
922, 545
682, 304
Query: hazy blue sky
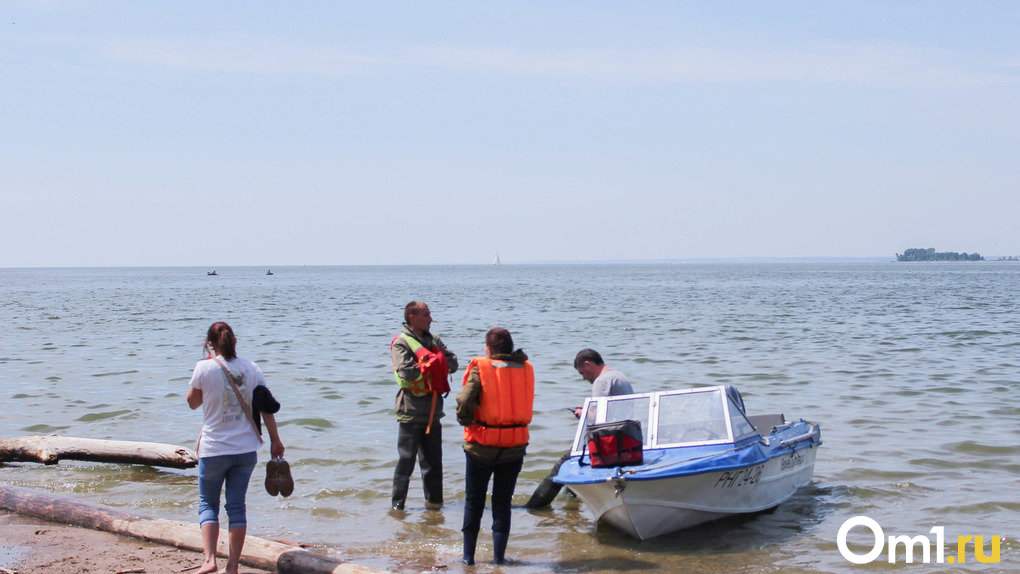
275, 133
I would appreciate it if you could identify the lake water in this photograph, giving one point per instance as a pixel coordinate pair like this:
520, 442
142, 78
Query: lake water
912, 371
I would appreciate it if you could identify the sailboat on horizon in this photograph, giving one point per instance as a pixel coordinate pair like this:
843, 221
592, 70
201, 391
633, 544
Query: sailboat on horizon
496, 261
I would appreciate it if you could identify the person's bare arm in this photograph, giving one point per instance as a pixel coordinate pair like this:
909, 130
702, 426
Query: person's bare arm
194, 398
276, 447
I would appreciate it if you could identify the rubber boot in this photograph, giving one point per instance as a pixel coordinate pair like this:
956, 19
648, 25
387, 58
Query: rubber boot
400, 487
544, 494
499, 542
434, 493
470, 540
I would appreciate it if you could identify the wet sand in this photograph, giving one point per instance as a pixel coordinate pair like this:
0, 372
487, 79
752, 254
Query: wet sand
30, 546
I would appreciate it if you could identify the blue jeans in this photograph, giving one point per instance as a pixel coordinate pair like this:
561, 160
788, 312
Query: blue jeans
476, 483
213, 471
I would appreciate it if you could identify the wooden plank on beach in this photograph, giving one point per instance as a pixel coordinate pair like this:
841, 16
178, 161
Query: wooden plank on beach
258, 552
51, 449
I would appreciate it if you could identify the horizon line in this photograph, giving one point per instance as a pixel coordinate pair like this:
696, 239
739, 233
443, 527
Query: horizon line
651, 261
679, 260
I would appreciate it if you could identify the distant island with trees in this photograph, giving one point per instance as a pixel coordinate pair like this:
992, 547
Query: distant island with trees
915, 254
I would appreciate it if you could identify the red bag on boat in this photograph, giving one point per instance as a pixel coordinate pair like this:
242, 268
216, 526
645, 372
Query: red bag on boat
618, 443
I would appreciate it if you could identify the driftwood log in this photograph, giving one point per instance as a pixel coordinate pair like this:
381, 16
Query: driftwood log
51, 449
258, 552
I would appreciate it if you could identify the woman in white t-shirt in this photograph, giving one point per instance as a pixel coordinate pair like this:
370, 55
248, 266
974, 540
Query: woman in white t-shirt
228, 444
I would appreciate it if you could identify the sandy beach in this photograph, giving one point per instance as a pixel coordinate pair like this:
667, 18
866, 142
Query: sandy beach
30, 546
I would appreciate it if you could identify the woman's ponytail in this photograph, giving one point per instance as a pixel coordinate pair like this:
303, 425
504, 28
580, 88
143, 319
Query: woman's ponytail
221, 337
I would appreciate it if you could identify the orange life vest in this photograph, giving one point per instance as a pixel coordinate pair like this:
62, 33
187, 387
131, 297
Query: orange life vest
505, 403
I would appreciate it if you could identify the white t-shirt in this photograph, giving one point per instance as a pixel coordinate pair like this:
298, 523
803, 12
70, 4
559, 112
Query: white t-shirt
225, 427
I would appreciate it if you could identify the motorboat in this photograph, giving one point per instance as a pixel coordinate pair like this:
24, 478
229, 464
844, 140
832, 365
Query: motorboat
211, 273
703, 458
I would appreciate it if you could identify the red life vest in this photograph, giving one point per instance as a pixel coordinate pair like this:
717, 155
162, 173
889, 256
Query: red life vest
434, 368
504, 404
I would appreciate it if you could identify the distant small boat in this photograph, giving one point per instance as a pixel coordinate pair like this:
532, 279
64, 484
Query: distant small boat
213, 272
269, 271
496, 261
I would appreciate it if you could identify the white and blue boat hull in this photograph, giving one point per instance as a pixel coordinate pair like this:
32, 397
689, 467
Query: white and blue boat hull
649, 508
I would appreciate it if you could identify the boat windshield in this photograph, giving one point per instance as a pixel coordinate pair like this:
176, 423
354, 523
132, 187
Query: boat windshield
612, 409
741, 426
691, 417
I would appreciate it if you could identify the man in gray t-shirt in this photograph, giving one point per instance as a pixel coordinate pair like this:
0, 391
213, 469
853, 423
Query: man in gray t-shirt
610, 383
605, 380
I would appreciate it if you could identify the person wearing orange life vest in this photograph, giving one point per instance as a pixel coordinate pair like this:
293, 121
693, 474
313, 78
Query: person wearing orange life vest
495, 407
421, 366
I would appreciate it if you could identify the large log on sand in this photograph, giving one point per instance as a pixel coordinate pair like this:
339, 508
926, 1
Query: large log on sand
258, 552
50, 449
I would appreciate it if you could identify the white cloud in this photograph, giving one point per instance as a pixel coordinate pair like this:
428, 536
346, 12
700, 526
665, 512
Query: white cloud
238, 54
863, 63
850, 63
840, 63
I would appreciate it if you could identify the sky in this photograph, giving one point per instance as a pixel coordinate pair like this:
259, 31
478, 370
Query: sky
342, 133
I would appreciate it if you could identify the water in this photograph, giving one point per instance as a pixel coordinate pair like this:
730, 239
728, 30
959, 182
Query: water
911, 370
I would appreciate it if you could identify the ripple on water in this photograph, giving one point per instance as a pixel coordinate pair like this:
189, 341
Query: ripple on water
966, 335
939, 463
328, 512
985, 508
325, 462
44, 429
876, 492
330, 493
159, 503
764, 376
114, 374
1006, 411
92, 417
950, 390
972, 447
309, 423
352, 493
871, 473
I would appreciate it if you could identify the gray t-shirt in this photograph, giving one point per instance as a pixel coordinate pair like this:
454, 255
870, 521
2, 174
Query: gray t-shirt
610, 384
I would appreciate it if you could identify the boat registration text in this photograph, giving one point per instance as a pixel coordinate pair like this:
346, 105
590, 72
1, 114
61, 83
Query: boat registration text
743, 477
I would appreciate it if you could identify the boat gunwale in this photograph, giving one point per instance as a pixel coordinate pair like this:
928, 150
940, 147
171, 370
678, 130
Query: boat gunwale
776, 449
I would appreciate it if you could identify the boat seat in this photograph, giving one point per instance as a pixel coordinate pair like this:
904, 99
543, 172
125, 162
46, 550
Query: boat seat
765, 423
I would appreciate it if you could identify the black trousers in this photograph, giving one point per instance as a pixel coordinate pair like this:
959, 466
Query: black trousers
413, 443
504, 480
